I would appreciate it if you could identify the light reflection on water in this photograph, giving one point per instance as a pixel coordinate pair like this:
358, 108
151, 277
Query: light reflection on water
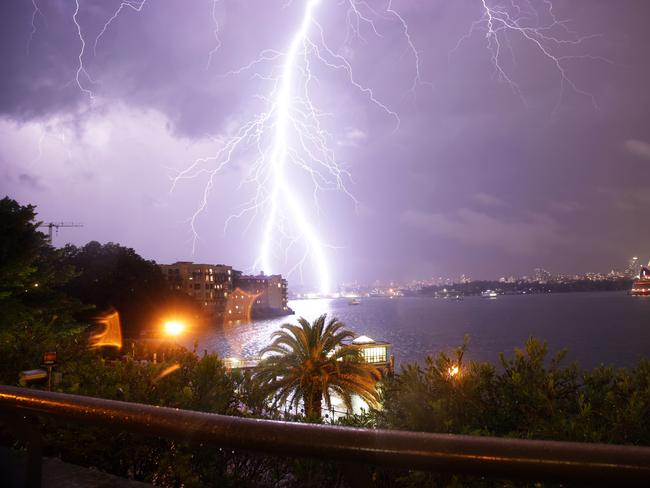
244, 340
595, 327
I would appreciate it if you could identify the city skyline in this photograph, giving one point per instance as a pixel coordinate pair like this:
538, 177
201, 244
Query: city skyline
476, 177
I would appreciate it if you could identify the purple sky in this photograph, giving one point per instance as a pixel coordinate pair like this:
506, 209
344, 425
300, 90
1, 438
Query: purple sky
476, 180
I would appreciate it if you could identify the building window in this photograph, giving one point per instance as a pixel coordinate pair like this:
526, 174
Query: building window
374, 354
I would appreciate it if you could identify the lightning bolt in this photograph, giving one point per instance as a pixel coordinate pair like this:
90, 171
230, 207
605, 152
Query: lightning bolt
287, 139
135, 5
36, 12
539, 27
81, 69
215, 33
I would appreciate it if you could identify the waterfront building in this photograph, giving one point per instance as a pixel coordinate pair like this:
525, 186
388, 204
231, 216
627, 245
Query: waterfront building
270, 293
209, 284
240, 305
375, 352
213, 286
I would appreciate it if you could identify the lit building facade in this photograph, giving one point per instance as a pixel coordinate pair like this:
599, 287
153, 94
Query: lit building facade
213, 286
240, 305
209, 284
270, 290
375, 352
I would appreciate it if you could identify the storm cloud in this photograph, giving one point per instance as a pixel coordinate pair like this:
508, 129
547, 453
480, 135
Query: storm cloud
478, 178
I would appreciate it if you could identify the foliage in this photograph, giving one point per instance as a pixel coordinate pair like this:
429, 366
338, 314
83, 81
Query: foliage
35, 315
530, 395
182, 380
308, 362
110, 275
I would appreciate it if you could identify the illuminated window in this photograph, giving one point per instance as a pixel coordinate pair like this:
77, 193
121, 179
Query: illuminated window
374, 354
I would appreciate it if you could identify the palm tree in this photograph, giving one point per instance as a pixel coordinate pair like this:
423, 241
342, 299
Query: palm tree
308, 362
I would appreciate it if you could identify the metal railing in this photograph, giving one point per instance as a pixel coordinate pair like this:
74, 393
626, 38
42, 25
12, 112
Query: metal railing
499, 457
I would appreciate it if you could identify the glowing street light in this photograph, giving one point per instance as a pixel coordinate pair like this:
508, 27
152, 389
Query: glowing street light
174, 327
453, 371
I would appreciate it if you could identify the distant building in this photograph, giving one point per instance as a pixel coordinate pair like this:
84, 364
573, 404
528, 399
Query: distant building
540, 275
209, 284
464, 279
270, 290
633, 267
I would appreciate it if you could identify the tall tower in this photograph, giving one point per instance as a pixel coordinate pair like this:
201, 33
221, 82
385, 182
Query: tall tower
633, 268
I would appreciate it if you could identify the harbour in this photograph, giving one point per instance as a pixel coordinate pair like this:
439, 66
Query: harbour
596, 328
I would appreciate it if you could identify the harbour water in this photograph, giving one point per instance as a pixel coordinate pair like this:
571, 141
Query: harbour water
607, 327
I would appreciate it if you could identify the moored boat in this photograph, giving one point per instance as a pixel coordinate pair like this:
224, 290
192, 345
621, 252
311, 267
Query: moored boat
489, 294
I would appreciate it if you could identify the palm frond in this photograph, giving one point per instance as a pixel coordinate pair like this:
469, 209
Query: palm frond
309, 362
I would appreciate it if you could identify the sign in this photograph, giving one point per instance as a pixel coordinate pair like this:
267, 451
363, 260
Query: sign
49, 358
32, 375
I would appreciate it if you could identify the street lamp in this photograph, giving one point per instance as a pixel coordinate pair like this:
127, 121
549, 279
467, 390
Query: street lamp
174, 327
453, 371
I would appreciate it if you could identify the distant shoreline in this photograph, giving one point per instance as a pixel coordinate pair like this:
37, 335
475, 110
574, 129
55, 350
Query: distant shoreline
475, 288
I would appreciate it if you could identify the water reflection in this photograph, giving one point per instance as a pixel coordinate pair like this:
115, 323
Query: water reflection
245, 338
594, 327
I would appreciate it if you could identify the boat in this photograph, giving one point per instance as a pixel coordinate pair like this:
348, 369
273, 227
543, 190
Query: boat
641, 286
354, 301
489, 294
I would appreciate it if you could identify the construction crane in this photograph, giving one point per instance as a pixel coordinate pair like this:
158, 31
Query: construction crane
56, 225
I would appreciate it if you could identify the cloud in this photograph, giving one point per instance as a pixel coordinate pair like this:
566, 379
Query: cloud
565, 207
637, 148
488, 200
31, 181
353, 137
111, 173
525, 237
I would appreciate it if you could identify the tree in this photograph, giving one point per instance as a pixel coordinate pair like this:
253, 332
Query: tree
20, 247
308, 362
111, 275
35, 313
